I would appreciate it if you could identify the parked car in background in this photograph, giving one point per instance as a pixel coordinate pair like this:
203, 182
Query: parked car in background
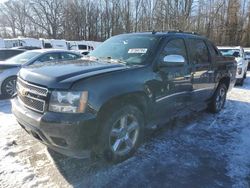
27, 48
247, 54
10, 67
242, 62
104, 102
8, 53
81, 47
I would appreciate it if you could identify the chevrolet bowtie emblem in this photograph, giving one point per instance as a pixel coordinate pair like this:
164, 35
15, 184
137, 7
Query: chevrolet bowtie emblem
24, 92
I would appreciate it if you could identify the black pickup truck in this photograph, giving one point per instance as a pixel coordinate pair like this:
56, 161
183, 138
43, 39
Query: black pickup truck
104, 102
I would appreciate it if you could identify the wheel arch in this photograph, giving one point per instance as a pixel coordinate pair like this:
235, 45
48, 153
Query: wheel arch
137, 99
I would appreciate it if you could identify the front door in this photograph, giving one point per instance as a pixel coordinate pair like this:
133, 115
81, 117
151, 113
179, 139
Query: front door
175, 81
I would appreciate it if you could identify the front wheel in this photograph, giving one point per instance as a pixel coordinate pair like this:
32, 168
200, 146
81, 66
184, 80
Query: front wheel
219, 99
9, 87
121, 134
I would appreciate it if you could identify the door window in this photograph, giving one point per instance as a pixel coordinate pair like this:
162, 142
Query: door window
69, 56
49, 57
175, 47
198, 51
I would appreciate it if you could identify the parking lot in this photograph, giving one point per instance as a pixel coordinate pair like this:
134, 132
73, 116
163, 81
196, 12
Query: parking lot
203, 150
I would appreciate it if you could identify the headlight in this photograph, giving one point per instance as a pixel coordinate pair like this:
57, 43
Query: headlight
68, 102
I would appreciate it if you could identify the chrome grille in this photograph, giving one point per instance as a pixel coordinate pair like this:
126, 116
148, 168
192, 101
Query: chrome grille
31, 96
33, 88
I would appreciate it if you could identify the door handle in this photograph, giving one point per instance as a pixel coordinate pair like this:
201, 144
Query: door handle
187, 76
210, 72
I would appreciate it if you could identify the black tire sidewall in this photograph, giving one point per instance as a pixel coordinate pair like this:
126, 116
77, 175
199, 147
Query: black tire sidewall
103, 145
214, 108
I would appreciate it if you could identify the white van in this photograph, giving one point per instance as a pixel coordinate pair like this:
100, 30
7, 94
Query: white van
54, 43
82, 47
242, 62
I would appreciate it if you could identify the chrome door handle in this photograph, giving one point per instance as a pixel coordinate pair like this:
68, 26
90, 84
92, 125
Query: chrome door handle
210, 72
187, 76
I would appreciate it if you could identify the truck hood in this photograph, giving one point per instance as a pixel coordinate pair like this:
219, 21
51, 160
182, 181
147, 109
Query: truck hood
61, 75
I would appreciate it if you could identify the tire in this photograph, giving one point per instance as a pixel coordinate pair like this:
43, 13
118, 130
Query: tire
241, 82
8, 88
245, 75
121, 134
219, 99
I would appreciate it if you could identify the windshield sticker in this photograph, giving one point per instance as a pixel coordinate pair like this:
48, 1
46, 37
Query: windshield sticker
137, 51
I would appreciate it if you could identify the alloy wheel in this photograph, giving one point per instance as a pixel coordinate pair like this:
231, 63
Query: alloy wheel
10, 87
220, 99
124, 134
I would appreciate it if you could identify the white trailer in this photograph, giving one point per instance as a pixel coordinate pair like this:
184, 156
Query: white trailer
21, 42
54, 43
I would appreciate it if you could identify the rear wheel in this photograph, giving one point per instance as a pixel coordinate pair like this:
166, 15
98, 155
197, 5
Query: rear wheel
241, 81
122, 133
219, 99
9, 87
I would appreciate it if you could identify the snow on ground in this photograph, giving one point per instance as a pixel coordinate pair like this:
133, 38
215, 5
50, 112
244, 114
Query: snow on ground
202, 150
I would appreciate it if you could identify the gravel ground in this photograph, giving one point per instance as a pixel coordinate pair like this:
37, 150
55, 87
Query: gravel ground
203, 150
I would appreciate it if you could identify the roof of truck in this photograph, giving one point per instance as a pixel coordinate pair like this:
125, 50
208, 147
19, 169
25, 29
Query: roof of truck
167, 33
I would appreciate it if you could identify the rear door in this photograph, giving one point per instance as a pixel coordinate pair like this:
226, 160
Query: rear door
202, 71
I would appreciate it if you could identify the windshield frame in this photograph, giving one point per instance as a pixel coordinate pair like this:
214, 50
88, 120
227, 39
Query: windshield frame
151, 53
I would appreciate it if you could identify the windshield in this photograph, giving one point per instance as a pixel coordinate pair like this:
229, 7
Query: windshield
22, 58
230, 52
131, 49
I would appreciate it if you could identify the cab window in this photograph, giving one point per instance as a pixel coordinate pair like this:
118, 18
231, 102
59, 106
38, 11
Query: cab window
198, 51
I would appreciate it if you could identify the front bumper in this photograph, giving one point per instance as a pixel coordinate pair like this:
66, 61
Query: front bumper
70, 134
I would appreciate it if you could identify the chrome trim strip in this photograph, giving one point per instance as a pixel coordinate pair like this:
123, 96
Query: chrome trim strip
172, 95
207, 88
183, 92
35, 86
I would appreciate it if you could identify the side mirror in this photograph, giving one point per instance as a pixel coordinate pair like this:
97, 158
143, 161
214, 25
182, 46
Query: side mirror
173, 60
